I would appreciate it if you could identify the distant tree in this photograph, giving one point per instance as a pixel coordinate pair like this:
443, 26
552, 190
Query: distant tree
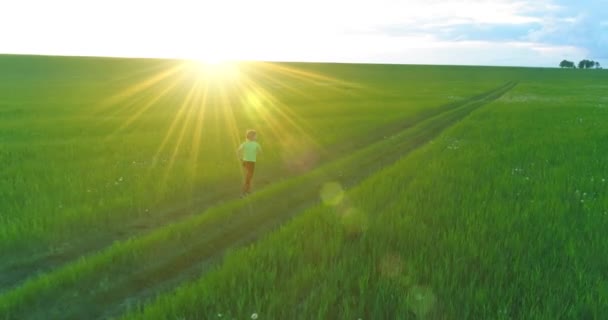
583, 64
586, 64
566, 64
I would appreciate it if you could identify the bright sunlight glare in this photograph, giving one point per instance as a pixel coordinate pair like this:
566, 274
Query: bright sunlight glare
215, 69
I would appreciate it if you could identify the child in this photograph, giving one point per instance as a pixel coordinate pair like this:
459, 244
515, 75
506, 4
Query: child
247, 152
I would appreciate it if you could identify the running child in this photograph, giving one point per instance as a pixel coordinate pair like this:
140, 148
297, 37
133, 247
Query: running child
247, 153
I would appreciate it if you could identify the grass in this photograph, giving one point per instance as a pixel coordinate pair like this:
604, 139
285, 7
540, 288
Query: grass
503, 219
422, 192
171, 254
88, 143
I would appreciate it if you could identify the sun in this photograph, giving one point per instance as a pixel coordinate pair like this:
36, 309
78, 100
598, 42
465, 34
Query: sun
215, 68
212, 60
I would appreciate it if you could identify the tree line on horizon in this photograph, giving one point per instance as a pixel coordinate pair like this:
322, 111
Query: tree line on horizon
583, 64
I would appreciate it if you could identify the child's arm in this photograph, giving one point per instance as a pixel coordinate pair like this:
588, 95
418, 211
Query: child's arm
239, 151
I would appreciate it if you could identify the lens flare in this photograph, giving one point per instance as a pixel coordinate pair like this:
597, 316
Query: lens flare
332, 193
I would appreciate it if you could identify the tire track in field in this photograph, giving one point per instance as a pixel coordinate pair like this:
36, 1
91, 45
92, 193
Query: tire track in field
12, 274
174, 265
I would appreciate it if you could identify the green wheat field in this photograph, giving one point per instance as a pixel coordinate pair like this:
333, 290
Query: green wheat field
384, 191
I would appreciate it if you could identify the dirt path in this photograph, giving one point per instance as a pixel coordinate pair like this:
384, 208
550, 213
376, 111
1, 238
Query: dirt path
173, 264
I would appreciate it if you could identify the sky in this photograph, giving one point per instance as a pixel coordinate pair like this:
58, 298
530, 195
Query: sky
461, 32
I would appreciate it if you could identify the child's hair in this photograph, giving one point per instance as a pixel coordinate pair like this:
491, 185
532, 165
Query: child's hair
250, 134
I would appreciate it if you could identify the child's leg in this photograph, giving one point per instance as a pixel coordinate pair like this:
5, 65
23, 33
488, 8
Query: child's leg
245, 179
249, 166
250, 175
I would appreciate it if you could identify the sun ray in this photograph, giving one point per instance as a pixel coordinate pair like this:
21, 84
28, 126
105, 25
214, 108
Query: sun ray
201, 103
260, 72
150, 68
142, 86
284, 127
177, 120
229, 118
273, 105
135, 115
218, 104
179, 145
129, 100
308, 76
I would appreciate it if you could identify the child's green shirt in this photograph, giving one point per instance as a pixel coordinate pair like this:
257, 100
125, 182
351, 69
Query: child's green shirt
250, 150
